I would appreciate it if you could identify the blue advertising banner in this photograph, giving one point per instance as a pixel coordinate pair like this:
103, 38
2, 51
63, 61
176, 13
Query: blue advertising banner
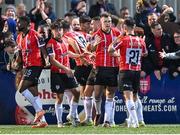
7, 98
161, 100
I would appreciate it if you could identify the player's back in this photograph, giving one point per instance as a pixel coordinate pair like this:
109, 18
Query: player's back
131, 50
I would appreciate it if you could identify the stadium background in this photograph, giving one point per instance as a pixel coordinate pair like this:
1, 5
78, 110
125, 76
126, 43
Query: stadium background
62, 6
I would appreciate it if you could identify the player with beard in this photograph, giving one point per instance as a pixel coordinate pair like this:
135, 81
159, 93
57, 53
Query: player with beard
78, 41
132, 48
89, 88
106, 68
30, 49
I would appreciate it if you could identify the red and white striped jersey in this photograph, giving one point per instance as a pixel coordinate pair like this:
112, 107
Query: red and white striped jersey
132, 48
30, 48
60, 50
81, 40
103, 58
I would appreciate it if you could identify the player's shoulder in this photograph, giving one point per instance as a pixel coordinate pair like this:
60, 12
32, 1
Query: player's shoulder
116, 30
33, 32
50, 42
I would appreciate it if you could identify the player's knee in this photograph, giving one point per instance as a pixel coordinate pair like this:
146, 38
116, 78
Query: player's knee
75, 93
58, 100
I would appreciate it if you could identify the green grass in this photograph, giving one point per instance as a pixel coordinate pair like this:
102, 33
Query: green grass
52, 129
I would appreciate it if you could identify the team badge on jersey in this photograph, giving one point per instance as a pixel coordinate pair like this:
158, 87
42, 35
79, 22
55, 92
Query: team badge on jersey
28, 41
57, 87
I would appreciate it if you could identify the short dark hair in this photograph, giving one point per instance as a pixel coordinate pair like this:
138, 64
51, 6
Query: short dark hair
96, 18
115, 19
56, 25
65, 24
150, 14
84, 19
130, 22
105, 14
177, 31
123, 8
10, 43
70, 14
154, 24
48, 5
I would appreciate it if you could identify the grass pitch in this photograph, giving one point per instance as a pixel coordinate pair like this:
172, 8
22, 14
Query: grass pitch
52, 129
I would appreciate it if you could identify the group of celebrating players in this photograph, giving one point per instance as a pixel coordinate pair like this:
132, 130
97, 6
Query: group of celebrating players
105, 57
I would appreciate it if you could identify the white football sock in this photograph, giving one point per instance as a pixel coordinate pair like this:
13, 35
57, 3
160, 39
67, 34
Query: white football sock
38, 102
97, 105
28, 95
131, 109
108, 109
73, 110
88, 107
139, 110
43, 119
59, 112
68, 94
113, 113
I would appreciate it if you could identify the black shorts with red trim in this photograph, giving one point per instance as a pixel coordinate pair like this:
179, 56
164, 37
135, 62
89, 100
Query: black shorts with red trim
82, 73
61, 82
91, 77
129, 80
32, 74
106, 76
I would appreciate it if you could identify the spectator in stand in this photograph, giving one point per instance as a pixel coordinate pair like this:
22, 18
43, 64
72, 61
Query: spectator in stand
167, 20
168, 13
178, 17
42, 13
100, 7
155, 7
7, 55
124, 13
21, 10
173, 55
1, 41
142, 11
152, 18
79, 7
10, 12
155, 43
174, 66
1, 19
10, 25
